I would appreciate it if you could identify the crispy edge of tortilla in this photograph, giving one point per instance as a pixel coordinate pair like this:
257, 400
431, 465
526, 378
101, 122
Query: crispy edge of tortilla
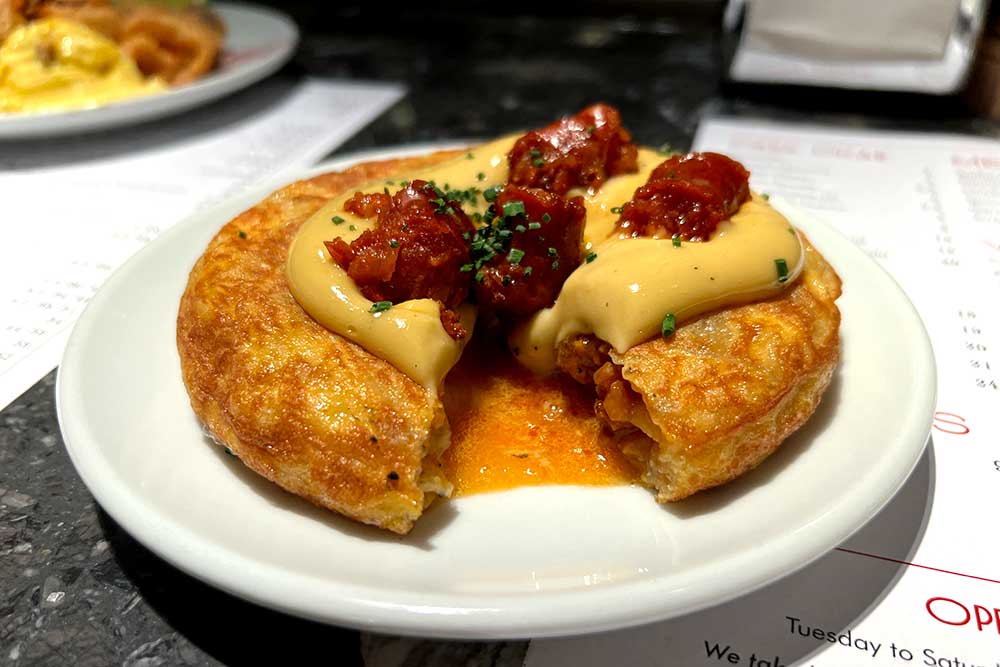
727, 389
302, 406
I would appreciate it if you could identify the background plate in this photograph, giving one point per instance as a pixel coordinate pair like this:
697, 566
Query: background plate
530, 562
258, 42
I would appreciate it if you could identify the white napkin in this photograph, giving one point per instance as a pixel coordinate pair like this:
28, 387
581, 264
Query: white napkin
852, 29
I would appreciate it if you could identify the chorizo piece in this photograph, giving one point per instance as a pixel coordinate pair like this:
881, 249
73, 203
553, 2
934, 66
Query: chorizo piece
686, 196
580, 151
415, 251
524, 255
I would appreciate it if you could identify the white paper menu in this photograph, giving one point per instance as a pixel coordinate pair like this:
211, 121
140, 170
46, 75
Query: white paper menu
74, 209
920, 584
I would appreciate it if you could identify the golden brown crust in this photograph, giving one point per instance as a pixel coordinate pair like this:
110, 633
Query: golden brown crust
302, 406
721, 395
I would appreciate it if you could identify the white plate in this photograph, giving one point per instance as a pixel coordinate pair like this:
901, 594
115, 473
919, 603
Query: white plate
530, 562
258, 41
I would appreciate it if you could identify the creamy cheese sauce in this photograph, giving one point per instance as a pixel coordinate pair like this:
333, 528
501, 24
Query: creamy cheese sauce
622, 296
409, 335
615, 192
53, 64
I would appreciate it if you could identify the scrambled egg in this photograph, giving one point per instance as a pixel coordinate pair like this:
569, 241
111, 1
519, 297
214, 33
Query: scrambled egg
54, 64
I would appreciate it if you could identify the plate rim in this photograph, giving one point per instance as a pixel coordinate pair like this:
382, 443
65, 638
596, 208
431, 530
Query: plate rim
133, 111
556, 613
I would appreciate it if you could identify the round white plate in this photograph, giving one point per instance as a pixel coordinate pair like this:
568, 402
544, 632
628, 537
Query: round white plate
258, 41
530, 562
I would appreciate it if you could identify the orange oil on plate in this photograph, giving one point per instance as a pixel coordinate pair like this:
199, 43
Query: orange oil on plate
511, 428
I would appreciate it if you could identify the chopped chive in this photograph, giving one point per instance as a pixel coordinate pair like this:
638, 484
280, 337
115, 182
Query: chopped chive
385, 190
677, 240
513, 207
535, 152
465, 268
534, 225
469, 156
380, 306
404, 183
490, 194
352, 228
546, 217
515, 256
465, 235
765, 196
337, 220
553, 252
527, 271
668, 325
242, 234
505, 281
791, 230
479, 276
393, 243
480, 176
591, 129
390, 182
520, 228
616, 210
665, 149
555, 265
591, 256
505, 233
782, 267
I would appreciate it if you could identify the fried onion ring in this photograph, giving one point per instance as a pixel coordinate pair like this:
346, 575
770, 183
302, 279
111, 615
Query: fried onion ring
96, 15
11, 16
177, 46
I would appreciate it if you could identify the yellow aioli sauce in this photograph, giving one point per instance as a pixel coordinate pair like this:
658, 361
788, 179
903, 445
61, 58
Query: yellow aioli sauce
55, 64
624, 294
640, 280
409, 335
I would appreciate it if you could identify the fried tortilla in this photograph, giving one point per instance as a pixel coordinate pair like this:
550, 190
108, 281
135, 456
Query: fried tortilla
298, 404
711, 402
327, 420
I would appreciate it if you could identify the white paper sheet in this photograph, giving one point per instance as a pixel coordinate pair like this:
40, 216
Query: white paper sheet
75, 209
920, 585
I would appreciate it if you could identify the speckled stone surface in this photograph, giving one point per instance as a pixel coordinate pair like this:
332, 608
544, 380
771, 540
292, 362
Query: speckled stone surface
77, 590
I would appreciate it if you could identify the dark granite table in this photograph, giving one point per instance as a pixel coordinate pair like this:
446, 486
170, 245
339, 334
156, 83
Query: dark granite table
76, 589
